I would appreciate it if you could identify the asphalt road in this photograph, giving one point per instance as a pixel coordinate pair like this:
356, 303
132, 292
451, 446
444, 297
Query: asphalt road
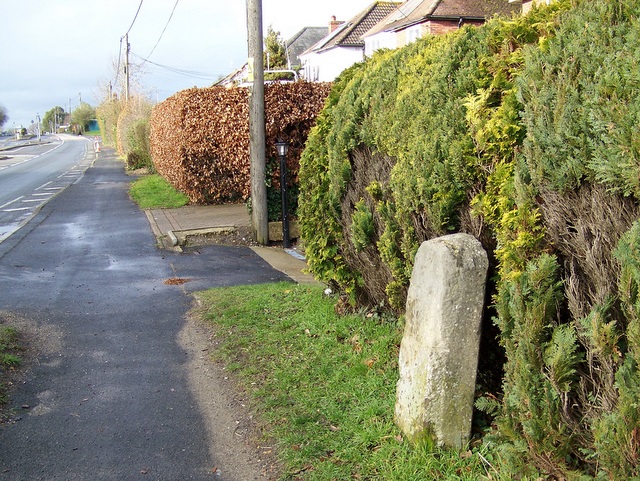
109, 397
30, 175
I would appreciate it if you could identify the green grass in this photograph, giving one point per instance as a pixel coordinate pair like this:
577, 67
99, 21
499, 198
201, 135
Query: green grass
324, 385
9, 348
153, 191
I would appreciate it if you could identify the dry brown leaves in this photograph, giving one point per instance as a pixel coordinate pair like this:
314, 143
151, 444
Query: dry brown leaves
200, 137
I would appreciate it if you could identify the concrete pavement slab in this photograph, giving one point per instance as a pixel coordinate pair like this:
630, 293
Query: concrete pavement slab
175, 227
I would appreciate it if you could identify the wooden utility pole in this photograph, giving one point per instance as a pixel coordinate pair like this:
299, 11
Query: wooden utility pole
257, 143
127, 47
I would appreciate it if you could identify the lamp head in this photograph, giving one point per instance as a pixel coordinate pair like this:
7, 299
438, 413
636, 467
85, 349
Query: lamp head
282, 148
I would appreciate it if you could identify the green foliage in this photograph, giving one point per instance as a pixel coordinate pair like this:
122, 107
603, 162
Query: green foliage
540, 371
82, 116
616, 435
319, 204
275, 55
582, 106
4, 115
139, 155
486, 127
388, 103
362, 228
107, 114
53, 118
584, 387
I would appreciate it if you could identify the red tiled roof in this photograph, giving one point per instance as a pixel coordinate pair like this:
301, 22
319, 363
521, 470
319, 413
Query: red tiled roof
350, 33
473, 8
416, 11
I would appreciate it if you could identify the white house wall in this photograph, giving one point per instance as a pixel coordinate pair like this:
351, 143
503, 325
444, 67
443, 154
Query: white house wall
326, 66
378, 41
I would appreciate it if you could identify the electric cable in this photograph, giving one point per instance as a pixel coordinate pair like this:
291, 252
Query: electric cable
121, 38
163, 30
134, 18
181, 71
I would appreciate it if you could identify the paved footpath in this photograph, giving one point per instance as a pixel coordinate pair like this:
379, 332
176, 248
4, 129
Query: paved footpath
109, 396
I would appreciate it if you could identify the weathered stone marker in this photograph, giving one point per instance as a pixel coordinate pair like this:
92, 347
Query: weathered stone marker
439, 349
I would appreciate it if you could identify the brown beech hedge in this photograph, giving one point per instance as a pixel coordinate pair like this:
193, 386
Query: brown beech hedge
200, 137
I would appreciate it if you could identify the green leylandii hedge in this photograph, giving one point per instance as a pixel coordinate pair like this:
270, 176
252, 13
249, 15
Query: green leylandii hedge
524, 133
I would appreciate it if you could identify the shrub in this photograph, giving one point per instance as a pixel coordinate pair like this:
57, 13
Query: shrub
200, 138
107, 114
139, 155
132, 134
522, 132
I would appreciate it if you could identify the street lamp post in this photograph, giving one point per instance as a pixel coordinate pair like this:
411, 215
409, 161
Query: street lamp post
282, 147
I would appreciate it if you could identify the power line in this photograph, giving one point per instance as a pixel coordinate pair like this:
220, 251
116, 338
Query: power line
180, 71
119, 57
163, 30
121, 38
134, 18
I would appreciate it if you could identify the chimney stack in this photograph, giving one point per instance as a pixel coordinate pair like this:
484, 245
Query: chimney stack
333, 24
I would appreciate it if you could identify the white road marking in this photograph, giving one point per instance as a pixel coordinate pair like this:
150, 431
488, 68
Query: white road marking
11, 201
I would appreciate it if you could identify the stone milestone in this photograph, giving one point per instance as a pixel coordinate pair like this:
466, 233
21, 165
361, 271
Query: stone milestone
439, 350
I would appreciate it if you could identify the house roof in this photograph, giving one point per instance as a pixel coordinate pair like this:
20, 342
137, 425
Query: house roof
417, 11
350, 33
473, 8
235, 76
304, 39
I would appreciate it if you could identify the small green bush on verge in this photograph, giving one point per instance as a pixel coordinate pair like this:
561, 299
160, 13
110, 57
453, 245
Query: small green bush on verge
324, 384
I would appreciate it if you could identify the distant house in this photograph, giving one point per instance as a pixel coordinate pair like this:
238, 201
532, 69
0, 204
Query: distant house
234, 78
344, 45
416, 18
302, 41
528, 4
297, 44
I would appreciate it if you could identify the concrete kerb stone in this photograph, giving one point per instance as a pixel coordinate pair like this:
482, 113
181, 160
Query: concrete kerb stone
181, 237
173, 238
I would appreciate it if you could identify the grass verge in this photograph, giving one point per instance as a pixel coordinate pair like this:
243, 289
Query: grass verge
153, 191
9, 359
324, 385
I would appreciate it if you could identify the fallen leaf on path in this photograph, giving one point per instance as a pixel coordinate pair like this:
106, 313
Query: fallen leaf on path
176, 281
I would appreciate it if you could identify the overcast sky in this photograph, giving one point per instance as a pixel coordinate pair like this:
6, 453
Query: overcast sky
57, 52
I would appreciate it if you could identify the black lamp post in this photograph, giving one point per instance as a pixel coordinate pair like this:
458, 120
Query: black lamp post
282, 147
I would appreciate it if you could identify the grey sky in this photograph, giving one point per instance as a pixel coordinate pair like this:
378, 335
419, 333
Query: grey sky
56, 52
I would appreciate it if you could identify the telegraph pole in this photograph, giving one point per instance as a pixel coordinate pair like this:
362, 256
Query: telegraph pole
257, 143
126, 67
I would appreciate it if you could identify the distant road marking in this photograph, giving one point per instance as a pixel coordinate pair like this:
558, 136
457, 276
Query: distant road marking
11, 202
17, 209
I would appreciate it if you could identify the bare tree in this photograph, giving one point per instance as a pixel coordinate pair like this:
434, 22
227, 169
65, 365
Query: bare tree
4, 116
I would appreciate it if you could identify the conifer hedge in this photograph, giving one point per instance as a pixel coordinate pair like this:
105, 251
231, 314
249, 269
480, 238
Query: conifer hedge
524, 133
